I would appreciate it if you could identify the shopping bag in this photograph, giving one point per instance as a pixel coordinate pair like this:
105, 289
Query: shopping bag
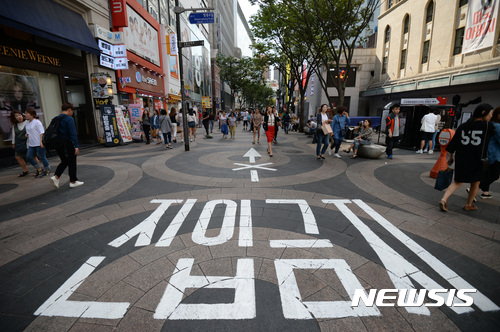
444, 179
327, 129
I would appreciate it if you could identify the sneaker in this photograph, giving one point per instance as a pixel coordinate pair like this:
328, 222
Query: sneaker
430, 152
419, 151
55, 182
467, 190
76, 184
425, 150
337, 156
37, 174
389, 157
190, 139
195, 138
329, 152
486, 196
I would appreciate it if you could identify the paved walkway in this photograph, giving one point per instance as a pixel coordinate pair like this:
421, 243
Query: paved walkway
225, 238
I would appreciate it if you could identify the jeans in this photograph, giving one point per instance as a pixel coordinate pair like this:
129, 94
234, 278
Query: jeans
426, 146
491, 176
68, 159
167, 138
146, 132
336, 144
322, 139
358, 142
391, 142
40, 152
232, 130
211, 125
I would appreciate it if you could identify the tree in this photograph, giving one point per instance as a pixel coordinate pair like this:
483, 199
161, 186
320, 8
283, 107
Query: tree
276, 35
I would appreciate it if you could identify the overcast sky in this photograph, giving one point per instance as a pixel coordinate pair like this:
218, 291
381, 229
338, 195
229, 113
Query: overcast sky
248, 9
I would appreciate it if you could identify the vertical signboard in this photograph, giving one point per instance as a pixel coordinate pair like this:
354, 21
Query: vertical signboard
119, 13
135, 117
111, 133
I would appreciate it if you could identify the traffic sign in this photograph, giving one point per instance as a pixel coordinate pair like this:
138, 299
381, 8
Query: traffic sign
192, 43
201, 18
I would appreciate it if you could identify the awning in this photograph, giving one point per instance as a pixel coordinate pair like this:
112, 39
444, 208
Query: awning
49, 20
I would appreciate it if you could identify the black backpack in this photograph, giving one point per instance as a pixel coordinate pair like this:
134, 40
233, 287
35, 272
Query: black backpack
52, 137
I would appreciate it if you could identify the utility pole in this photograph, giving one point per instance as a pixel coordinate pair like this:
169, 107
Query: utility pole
178, 10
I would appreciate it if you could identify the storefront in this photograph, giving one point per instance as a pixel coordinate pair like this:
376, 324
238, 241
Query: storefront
43, 63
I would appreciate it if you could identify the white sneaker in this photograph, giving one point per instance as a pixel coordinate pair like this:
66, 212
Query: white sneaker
190, 139
431, 152
76, 184
330, 152
55, 182
425, 150
420, 152
337, 155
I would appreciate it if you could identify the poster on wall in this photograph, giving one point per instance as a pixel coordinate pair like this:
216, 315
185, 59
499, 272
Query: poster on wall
135, 117
17, 92
123, 126
111, 132
99, 85
480, 26
141, 38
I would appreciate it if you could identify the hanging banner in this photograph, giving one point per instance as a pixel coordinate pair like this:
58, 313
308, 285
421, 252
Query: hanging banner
135, 117
480, 27
111, 133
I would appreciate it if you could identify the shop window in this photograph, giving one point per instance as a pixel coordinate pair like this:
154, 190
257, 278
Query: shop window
425, 53
459, 39
349, 78
384, 65
406, 24
462, 3
430, 12
403, 60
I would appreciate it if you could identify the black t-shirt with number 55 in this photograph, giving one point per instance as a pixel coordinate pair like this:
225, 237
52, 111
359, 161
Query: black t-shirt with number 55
470, 144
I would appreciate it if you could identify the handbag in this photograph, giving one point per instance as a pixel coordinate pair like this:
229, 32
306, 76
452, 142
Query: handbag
444, 179
327, 130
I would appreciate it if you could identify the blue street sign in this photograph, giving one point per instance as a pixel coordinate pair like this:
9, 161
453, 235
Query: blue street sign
201, 18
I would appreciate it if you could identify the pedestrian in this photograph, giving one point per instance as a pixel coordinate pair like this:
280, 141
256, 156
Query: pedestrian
286, 122
257, 122
250, 119
232, 121
436, 131
323, 139
146, 124
34, 133
364, 138
427, 131
468, 145
19, 140
276, 128
191, 119
494, 156
392, 126
206, 121
69, 150
155, 125
166, 128
180, 125
339, 122
224, 128
270, 124
211, 121
198, 117
244, 117
173, 123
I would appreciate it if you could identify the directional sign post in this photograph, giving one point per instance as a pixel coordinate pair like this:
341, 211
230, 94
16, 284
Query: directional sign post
201, 18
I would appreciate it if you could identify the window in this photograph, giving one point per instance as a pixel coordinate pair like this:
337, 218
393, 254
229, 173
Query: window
406, 24
384, 65
387, 34
425, 53
459, 40
403, 60
430, 11
462, 3
389, 3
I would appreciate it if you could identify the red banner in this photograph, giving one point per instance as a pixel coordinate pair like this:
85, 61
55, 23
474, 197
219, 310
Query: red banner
119, 13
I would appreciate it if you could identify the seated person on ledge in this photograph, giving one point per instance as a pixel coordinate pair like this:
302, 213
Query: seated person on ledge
310, 128
364, 137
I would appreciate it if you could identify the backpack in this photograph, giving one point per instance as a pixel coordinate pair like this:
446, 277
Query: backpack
52, 137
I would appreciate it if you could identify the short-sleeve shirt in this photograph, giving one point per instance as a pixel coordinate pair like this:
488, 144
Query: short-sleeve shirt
34, 129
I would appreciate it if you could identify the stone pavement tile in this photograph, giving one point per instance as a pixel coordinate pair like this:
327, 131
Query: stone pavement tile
140, 320
260, 233
84, 224
7, 256
228, 249
106, 210
13, 239
496, 236
151, 274
330, 277
150, 253
374, 275
257, 263
91, 327
390, 320
43, 323
342, 325
268, 271
353, 259
421, 229
437, 321
199, 253
218, 267
12, 226
475, 229
308, 283
152, 297
130, 211
39, 242
102, 280
122, 292
325, 294
263, 250
299, 253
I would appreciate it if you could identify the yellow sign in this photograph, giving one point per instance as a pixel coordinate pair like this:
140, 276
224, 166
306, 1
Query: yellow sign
206, 102
29, 55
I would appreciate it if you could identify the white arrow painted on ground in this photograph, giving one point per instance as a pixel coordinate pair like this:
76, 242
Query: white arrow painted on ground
252, 153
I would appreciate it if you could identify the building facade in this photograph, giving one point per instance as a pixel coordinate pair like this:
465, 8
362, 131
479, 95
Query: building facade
436, 48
